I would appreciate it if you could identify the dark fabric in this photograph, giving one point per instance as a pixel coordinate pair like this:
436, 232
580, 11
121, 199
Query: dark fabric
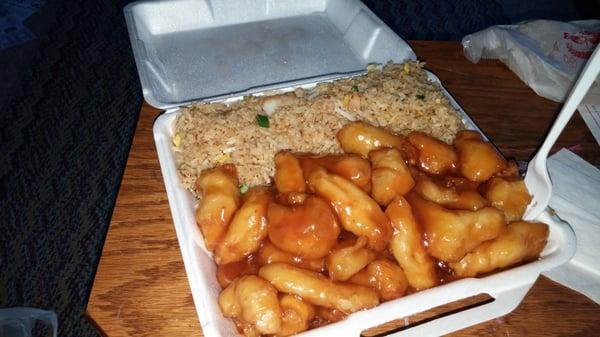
65, 133
452, 20
68, 106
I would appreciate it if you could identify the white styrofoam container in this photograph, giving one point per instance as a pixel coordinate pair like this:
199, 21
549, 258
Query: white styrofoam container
188, 50
177, 67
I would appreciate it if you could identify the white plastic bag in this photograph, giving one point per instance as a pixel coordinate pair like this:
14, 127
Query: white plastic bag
21, 322
546, 55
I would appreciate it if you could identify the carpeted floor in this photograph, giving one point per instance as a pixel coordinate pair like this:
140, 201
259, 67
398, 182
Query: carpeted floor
69, 102
65, 130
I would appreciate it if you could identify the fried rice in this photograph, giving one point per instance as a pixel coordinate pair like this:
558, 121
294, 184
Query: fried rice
398, 97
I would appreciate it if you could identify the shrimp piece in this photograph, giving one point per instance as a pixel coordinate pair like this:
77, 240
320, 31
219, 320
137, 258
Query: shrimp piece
253, 300
435, 156
358, 213
460, 184
391, 176
385, 276
288, 173
297, 315
449, 197
466, 135
329, 315
220, 200
511, 171
269, 253
521, 242
451, 234
318, 289
352, 167
229, 304
247, 229
289, 179
259, 303
479, 160
307, 231
291, 199
362, 138
347, 261
407, 246
511, 197
246, 329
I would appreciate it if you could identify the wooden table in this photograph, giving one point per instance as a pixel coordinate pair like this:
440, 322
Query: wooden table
141, 287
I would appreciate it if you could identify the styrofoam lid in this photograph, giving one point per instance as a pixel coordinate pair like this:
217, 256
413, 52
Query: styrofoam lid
191, 50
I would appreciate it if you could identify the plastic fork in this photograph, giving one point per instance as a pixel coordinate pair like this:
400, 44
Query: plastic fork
537, 179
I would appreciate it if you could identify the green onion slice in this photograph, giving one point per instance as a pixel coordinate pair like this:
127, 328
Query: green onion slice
262, 120
355, 88
420, 96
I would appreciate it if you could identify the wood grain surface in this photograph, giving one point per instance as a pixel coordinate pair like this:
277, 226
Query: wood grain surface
141, 287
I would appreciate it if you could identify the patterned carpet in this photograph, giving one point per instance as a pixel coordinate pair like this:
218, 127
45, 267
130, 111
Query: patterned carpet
65, 135
69, 102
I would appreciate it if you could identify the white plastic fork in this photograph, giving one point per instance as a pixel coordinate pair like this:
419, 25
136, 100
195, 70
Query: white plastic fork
537, 179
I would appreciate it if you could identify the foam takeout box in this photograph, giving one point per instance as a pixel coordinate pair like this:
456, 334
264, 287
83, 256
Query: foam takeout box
219, 50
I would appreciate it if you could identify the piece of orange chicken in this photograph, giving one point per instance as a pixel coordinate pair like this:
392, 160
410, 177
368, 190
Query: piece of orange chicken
391, 176
318, 289
308, 231
252, 300
407, 246
358, 212
350, 166
344, 262
288, 173
451, 234
296, 315
521, 242
269, 253
328, 315
247, 229
362, 138
450, 197
479, 160
509, 196
289, 179
435, 156
385, 276
220, 200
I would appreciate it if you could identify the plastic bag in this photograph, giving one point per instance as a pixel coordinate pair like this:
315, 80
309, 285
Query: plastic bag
546, 55
21, 322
